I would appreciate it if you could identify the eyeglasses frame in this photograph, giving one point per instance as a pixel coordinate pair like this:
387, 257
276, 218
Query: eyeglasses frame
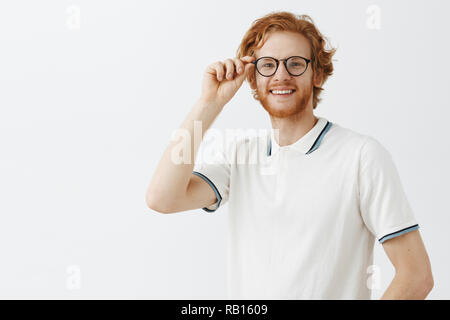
308, 61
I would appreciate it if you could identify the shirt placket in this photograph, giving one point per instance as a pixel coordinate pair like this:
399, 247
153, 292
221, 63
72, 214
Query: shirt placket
281, 176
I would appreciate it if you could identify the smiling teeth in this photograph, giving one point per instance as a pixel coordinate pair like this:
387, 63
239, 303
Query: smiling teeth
282, 91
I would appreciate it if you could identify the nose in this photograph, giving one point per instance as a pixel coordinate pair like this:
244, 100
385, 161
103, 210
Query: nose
281, 73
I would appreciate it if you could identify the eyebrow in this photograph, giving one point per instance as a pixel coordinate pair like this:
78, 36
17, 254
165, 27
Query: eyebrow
294, 55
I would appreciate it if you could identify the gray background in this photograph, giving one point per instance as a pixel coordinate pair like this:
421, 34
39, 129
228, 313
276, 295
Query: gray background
91, 92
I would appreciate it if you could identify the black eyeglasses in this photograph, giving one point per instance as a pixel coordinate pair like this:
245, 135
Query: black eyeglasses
295, 65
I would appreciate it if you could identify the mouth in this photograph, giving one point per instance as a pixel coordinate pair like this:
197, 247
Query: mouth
282, 93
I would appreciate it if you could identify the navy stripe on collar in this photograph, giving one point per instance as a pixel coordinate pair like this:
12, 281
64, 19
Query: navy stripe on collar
320, 137
315, 144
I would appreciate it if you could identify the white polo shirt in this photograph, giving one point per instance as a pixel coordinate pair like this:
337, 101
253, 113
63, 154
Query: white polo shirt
303, 219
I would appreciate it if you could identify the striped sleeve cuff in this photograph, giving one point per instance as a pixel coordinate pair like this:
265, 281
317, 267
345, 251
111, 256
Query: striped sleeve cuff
216, 191
398, 233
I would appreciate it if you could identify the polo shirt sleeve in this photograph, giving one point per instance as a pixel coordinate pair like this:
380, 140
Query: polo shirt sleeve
383, 203
212, 165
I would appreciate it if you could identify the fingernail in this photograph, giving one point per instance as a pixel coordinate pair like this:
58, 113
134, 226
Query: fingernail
240, 70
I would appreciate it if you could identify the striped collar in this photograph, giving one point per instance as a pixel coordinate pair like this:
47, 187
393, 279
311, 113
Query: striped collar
306, 144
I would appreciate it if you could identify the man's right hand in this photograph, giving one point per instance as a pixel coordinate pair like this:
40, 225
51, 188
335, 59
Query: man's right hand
222, 80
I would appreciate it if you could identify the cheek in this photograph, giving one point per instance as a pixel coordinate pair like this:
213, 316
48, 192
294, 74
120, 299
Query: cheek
262, 84
304, 84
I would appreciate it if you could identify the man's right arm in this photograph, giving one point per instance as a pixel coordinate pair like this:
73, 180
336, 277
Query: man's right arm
173, 187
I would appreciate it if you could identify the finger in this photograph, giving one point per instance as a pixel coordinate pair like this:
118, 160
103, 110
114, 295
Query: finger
229, 64
239, 65
220, 70
248, 59
248, 68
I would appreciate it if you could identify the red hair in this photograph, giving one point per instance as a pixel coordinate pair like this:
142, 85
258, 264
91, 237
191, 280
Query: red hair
322, 64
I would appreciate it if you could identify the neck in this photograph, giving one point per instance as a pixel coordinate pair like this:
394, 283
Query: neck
294, 127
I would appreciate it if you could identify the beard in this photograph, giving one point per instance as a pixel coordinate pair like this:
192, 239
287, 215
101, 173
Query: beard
293, 105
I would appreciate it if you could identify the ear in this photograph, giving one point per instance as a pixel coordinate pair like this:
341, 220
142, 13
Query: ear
317, 80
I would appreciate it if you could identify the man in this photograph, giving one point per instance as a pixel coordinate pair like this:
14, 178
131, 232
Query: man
304, 229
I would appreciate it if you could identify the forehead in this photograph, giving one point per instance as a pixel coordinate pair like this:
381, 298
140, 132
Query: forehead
283, 44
